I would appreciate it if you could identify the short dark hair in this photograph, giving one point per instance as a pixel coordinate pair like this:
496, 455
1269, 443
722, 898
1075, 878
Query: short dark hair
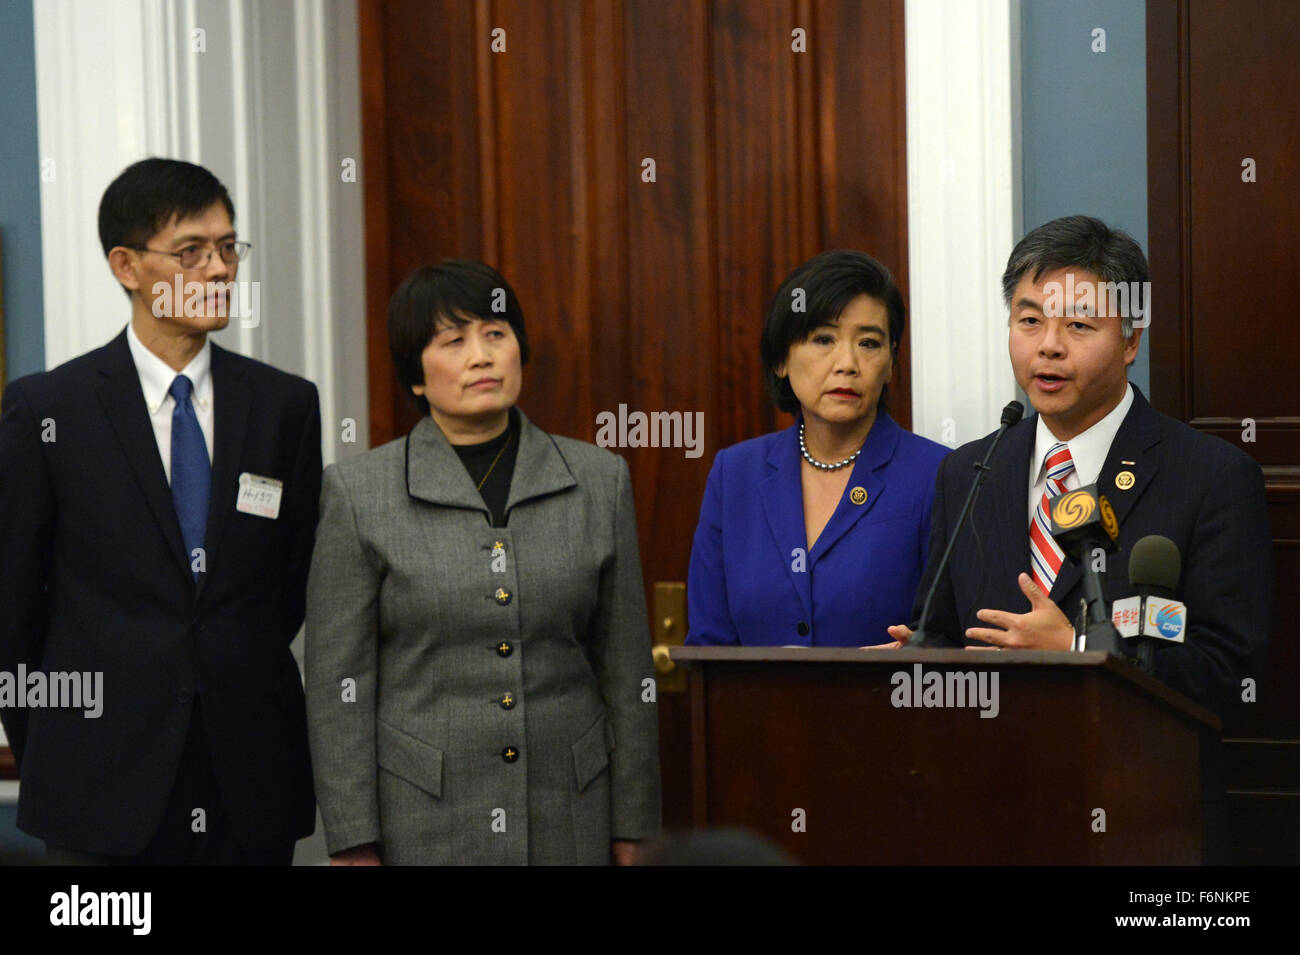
829, 281
1079, 242
149, 194
455, 291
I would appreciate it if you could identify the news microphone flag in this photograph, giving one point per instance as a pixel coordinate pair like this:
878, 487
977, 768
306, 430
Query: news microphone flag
1165, 619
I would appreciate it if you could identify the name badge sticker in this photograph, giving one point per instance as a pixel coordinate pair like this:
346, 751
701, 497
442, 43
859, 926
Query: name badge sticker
259, 496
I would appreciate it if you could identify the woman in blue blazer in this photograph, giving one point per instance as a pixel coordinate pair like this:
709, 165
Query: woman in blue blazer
816, 535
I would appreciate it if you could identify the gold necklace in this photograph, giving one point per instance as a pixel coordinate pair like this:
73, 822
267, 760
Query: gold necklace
494, 462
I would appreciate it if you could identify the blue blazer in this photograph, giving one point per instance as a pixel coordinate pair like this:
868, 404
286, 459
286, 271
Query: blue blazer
752, 579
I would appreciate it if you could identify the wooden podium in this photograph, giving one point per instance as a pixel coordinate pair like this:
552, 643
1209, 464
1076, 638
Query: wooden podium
775, 731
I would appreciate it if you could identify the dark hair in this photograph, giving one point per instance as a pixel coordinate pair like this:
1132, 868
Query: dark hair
454, 291
829, 282
1079, 242
147, 195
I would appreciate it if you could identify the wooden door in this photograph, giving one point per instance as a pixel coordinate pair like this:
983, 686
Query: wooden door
1223, 81
776, 130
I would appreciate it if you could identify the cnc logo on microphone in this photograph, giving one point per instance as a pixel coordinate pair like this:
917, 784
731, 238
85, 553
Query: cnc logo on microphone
1168, 619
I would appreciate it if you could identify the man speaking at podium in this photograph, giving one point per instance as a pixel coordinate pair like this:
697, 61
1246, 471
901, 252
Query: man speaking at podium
1008, 584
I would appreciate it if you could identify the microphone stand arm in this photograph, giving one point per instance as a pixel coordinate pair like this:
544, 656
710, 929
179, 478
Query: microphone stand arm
1101, 633
936, 641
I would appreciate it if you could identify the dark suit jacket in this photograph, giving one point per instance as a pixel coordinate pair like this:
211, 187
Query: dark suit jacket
94, 577
1197, 490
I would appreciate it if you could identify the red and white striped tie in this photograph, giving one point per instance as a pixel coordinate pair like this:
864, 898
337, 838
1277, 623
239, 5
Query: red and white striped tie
1045, 555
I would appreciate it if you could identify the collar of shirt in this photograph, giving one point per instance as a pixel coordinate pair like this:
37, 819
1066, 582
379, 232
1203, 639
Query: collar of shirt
156, 376
1088, 450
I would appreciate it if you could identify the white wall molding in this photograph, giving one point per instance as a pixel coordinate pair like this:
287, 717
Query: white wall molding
962, 205
271, 106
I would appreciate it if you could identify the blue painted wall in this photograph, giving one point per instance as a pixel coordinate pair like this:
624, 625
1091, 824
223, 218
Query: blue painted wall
20, 197
20, 230
1084, 120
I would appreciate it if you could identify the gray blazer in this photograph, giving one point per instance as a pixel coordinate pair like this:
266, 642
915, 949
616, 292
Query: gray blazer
476, 694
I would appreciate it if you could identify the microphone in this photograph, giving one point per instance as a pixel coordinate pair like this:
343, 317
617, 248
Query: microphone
1081, 521
1154, 568
922, 637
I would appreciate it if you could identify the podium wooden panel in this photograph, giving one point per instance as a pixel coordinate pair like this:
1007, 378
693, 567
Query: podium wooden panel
777, 730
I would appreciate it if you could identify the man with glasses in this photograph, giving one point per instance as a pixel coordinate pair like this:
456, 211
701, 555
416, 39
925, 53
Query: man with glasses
158, 504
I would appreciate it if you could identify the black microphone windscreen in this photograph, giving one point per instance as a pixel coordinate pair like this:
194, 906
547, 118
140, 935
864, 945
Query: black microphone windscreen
1012, 413
1154, 562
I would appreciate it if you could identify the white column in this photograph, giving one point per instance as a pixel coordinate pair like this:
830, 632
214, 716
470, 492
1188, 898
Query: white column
267, 96
963, 190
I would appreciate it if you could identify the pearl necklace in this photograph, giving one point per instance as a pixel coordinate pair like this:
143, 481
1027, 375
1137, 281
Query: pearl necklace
821, 465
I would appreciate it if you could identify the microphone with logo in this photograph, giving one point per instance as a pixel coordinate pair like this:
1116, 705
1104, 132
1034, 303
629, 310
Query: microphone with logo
1083, 521
1152, 618
920, 636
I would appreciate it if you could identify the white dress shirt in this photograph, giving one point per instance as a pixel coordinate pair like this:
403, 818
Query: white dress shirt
156, 378
1088, 450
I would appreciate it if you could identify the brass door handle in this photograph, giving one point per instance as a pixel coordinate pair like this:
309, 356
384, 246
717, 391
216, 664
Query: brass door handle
669, 617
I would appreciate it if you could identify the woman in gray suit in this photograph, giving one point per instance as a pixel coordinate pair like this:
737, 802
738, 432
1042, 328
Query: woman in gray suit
478, 659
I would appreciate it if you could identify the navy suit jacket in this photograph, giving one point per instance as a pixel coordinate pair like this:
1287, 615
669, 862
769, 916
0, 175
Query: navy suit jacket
752, 579
94, 577
1197, 490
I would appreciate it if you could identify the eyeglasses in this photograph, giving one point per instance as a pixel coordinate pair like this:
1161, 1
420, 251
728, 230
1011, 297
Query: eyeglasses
198, 257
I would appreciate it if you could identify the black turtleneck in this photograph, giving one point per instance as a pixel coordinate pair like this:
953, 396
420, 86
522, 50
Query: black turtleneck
478, 459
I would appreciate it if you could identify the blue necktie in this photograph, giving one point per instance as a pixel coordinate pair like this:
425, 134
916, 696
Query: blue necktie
191, 472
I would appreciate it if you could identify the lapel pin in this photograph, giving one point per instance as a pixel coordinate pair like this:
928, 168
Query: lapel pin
858, 495
1125, 480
